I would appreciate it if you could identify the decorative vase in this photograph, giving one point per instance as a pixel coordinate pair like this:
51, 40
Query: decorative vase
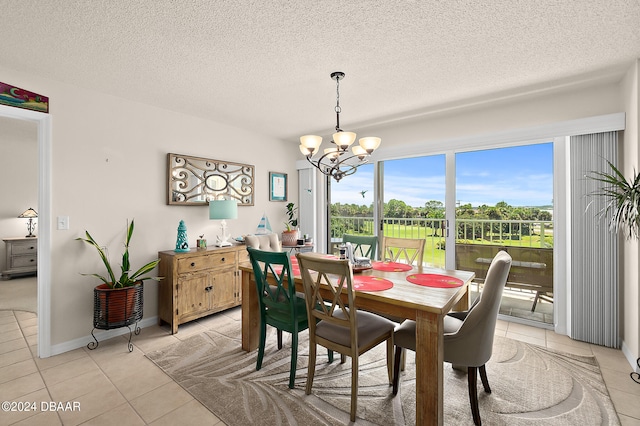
290, 238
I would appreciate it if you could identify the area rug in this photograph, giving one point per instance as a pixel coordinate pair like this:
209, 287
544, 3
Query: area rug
530, 385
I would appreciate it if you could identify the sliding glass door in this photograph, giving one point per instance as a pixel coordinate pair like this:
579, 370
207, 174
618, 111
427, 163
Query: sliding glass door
351, 206
504, 201
413, 196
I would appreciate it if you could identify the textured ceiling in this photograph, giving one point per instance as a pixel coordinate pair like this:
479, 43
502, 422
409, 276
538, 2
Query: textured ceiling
265, 65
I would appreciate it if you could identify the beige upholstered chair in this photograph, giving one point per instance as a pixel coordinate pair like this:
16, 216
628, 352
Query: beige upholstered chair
266, 242
468, 336
348, 331
406, 250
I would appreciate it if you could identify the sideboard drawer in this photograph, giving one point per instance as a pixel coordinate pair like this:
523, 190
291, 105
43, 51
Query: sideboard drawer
209, 261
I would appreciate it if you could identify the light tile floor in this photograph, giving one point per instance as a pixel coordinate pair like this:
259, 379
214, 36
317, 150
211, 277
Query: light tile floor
115, 387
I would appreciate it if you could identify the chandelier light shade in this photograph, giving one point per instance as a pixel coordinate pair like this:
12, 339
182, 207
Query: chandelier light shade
337, 161
30, 214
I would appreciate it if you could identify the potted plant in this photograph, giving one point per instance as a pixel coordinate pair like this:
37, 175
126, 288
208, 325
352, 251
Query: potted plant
118, 300
623, 201
290, 235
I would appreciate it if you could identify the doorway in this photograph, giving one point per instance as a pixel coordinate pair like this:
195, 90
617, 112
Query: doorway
43, 163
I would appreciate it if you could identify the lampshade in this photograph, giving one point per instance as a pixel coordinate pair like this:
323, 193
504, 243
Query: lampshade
223, 209
29, 213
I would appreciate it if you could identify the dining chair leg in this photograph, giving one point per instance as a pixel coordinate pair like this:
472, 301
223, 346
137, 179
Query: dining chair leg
483, 377
472, 373
279, 339
330, 355
354, 386
396, 369
390, 359
312, 367
263, 339
294, 359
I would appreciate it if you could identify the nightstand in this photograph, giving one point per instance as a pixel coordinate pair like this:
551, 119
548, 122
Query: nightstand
22, 256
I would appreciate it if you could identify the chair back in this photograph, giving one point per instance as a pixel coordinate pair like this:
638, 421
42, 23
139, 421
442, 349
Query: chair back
266, 242
472, 344
325, 280
274, 282
363, 245
405, 250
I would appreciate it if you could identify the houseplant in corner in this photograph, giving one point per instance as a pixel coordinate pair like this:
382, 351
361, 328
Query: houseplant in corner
118, 301
623, 201
290, 235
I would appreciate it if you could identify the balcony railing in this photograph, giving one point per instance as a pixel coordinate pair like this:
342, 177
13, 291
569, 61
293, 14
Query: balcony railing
530, 243
514, 233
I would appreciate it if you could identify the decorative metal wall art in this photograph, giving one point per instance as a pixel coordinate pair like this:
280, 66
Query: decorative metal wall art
196, 181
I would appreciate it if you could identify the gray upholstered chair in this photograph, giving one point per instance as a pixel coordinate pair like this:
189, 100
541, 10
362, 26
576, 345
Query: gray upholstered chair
350, 332
468, 336
407, 250
266, 242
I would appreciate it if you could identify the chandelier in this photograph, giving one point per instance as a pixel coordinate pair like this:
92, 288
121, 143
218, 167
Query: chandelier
337, 161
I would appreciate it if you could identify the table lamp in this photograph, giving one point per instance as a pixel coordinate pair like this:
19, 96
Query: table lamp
222, 210
30, 214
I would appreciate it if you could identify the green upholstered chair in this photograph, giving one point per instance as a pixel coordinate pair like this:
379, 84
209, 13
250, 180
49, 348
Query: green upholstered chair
280, 305
363, 245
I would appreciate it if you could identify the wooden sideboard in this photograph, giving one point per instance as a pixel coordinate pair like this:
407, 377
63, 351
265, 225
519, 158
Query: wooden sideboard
198, 283
22, 256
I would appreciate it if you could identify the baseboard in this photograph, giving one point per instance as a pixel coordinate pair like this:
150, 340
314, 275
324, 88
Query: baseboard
101, 335
632, 358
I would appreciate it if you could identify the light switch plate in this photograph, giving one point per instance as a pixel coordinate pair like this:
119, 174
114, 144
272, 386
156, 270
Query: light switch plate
63, 223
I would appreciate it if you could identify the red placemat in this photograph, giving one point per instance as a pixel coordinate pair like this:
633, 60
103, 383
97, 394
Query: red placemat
435, 280
369, 283
295, 269
391, 266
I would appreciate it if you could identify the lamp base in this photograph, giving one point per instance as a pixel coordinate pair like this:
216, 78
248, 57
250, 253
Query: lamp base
224, 244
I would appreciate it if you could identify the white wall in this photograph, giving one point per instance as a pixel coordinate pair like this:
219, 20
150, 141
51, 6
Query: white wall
631, 253
18, 178
443, 131
109, 165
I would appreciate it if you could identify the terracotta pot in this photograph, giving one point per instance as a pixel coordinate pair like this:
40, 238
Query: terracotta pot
117, 307
290, 238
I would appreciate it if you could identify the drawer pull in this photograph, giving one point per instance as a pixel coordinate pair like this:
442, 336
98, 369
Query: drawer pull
193, 264
209, 288
222, 260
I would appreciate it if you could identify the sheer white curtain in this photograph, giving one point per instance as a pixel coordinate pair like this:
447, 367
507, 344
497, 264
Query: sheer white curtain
594, 293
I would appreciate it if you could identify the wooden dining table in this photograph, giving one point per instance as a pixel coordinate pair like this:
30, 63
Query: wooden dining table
423, 304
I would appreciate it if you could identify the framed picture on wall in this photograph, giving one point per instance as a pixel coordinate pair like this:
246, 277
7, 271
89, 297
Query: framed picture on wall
277, 186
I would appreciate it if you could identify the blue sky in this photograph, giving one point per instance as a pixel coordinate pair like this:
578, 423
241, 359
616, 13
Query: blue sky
521, 176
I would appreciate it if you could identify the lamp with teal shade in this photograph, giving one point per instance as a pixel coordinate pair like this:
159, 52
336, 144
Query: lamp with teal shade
223, 210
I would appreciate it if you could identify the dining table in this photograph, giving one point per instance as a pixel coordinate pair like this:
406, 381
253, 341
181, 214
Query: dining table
418, 293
